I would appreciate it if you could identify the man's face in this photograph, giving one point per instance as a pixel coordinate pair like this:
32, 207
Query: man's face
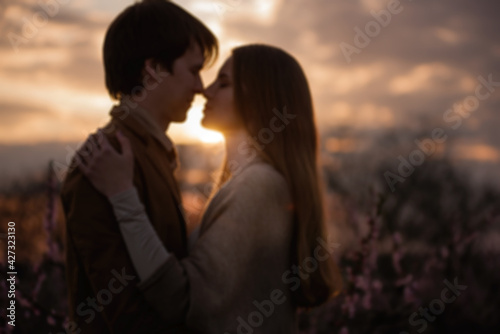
179, 88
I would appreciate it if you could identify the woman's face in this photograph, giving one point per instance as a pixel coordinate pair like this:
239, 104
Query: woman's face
220, 112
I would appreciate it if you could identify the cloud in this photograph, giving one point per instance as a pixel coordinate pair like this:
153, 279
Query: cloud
12, 113
426, 59
423, 62
55, 73
65, 48
478, 152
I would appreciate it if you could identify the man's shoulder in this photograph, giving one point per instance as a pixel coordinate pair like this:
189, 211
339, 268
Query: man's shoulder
73, 179
75, 184
77, 192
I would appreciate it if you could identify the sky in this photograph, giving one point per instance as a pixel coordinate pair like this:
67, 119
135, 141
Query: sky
372, 65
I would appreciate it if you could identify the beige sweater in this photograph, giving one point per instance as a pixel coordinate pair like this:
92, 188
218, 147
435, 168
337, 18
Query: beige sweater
234, 279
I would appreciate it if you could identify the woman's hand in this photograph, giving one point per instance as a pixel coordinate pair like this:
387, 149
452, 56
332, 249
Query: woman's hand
109, 171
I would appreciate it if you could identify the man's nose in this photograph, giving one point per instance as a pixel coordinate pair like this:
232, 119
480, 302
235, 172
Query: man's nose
198, 88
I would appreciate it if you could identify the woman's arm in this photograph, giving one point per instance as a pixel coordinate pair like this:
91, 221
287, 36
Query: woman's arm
241, 256
143, 244
110, 172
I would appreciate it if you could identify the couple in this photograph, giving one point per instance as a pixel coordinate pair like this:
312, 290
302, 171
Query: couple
259, 253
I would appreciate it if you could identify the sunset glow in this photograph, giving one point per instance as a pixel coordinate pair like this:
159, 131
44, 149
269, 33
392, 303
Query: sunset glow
191, 130
367, 130
52, 80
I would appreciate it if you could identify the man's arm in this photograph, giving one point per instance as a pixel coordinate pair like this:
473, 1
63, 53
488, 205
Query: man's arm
103, 257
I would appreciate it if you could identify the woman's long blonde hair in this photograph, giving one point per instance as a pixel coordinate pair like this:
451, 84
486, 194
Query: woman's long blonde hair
268, 82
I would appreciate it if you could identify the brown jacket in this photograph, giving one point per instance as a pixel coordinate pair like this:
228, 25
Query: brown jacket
102, 283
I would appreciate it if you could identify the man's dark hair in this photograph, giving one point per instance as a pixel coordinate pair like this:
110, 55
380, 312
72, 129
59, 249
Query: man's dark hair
157, 29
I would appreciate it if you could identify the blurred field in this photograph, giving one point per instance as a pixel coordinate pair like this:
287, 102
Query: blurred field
396, 248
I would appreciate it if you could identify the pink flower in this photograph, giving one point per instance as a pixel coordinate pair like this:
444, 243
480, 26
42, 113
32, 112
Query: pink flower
51, 320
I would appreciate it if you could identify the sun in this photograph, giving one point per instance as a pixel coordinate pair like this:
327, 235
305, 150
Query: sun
210, 137
192, 131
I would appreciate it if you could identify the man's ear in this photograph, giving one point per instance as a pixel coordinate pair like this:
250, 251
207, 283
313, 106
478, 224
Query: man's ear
154, 68
150, 66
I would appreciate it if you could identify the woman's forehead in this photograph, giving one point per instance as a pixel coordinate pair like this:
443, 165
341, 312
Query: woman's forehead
226, 67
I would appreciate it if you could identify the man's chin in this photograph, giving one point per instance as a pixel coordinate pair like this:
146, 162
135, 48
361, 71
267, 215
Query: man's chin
179, 118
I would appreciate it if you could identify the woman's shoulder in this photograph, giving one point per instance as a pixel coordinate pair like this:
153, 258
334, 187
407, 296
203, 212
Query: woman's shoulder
259, 172
262, 178
256, 189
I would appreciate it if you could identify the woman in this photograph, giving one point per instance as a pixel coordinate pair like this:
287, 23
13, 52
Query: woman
255, 257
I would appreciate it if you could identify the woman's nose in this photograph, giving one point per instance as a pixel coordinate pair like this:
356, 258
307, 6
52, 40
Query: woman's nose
207, 92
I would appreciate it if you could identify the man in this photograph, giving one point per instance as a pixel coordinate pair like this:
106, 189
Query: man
153, 53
